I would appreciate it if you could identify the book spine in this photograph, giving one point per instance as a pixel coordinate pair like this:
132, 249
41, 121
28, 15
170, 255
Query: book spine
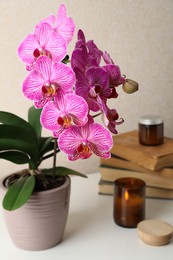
151, 192
111, 174
121, 163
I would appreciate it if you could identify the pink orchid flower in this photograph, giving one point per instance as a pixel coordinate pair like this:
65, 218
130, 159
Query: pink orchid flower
64, 111
81, 142
43, 42
62, 24
46, 80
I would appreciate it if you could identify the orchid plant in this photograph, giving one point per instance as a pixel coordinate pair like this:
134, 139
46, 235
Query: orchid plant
68, 94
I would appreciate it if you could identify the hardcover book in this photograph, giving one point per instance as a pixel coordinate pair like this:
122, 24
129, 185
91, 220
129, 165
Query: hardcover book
154, 158
107, 188
152, 179
118, 162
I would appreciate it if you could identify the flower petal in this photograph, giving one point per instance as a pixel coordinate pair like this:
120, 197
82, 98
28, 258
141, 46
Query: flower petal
73, 157
94, 51
50, 20
107, 59
81, 36
41, 103
26, 48
65, 24
49, 116
32, 85
69, 140
43, 65
57, 47
67, 29
61, 14
97, 76
93, 105
82, 89
100, 137
77, 107
99, 81
82, 84
114, 74
43, 32
105, 155
63, 76
79, 58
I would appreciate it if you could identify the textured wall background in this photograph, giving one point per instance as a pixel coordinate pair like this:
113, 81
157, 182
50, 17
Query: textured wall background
138, 35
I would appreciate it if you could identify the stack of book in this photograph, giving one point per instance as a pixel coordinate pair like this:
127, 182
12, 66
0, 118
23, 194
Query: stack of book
152, 164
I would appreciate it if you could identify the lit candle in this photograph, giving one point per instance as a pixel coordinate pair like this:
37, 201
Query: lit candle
129, 201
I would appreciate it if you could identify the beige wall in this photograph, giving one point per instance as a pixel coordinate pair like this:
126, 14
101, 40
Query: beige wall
138, 34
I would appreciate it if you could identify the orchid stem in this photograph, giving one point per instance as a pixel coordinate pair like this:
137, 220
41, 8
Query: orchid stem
54, 157
97, 114
50, 155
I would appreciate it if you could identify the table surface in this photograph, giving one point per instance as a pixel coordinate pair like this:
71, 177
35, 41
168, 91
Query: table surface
91, 232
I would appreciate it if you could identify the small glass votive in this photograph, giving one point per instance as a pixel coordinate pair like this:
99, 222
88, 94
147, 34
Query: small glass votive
129, 202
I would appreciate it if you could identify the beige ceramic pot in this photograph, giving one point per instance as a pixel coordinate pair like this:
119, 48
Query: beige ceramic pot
40, 223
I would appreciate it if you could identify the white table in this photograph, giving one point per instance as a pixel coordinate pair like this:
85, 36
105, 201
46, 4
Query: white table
91, 233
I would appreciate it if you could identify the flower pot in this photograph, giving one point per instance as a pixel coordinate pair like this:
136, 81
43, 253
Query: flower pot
40, 223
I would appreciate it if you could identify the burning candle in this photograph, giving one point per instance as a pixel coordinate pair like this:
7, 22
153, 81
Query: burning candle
129, 201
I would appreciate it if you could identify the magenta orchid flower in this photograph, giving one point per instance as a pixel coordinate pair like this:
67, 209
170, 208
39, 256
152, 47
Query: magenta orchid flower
68, 96
62, 24
85, 54
115, 78
44, 41
107, 58
81, 60
46, 80
64, 111
111, 118
93, 86
92, 49
81, 142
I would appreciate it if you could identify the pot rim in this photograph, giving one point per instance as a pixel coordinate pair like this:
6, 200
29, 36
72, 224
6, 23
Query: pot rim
66, 183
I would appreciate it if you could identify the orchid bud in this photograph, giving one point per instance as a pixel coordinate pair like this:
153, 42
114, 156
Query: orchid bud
130, 86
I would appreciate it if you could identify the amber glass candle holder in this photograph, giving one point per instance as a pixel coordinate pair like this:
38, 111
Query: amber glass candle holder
151, 130
129, 202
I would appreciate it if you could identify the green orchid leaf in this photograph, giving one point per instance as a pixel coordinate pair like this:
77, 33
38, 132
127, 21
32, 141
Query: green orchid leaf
16, 132
46, 145
15, 157
18, 193
13, 120
18, 145
63, 171
34, 120
47, 148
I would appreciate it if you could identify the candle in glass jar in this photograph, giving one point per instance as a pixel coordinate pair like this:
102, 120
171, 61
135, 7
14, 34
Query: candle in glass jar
129, 202
151, 130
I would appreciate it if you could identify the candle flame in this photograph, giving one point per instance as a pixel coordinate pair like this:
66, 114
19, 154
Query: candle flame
126, 195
